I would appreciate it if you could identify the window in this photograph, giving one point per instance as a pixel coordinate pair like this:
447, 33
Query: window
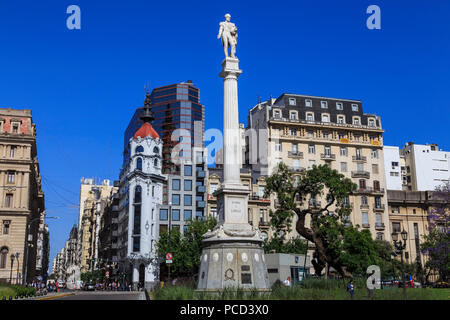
356, 136
176, 199
325, 134
340, 119
163, 214
162, 228
139, 164
9, 199
310, 134
360, 167
396, 227
139, 149
11, 177
12, 151
187, 215
6, 225
176, 184
356, 121
380, 236
394, 164
377, 202
292, 102
136, 244
323, 104
213, 212
343, 166
187, 185
153, 191
354, 107
376, 185
261, 216
187, 200
176, 214
371, 123
277, 114
15, 128
374, 168
344, 151
293, 115
364, 200
137, 194
395, 209
156, 150
362, 184
294, 148
278, 146
339, 106
3, 257
365, 218
187, 170
374, 154
311, 149
327, 151
310, 117
293, 132
378, 219
325, 118
308, 103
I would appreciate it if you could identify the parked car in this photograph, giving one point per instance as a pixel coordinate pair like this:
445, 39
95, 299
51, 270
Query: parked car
441, 284
90, 286
61, 284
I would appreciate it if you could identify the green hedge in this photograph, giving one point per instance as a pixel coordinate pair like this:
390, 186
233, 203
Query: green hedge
16, 290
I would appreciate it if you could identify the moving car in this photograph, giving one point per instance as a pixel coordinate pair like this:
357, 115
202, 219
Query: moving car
89, 286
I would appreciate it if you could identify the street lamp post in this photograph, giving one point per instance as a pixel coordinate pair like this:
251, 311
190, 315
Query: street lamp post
399, 247
12, 266
18, 265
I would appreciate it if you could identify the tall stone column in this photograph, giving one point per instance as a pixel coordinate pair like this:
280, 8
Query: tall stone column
231, 140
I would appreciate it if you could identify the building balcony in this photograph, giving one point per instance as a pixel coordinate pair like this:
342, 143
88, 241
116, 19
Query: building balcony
360, 159
297, 169
295, 154
379, 226
201, 174
327, 156
369, 190
201, 204
361, 174
364, 206
315, 205
366, 225
264, 225
379, 208
201, 189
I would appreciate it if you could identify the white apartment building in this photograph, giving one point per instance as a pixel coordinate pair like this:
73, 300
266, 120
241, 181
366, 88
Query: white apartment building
392, 167
426, 167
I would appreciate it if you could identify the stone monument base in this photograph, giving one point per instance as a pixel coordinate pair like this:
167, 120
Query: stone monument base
233, 263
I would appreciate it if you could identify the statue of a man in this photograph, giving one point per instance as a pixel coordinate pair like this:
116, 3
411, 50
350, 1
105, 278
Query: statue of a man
228, 32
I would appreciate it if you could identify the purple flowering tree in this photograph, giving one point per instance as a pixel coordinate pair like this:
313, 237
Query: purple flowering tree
436, 243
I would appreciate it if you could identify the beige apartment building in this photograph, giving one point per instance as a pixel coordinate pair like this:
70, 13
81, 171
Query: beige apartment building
21, 196
93, 200
303, 131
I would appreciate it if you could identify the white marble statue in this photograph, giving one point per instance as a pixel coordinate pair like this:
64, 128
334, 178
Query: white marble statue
228, 32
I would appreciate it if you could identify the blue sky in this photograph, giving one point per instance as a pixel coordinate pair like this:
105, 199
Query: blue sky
84, 85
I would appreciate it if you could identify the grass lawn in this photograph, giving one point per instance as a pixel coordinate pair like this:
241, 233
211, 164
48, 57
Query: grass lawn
299, 293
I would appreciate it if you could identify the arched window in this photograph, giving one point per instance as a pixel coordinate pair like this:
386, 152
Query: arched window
3, 256
139, 164
155, 150
137, 194
139, 149
156, 162
376, 185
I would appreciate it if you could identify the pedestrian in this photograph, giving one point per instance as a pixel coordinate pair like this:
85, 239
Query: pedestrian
287, 282
351, 289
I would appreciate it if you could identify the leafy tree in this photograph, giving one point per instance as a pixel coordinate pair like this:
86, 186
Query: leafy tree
327, 229
92, 276
186, 249
437, 241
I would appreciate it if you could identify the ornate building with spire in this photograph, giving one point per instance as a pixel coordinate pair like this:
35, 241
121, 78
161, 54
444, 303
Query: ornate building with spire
141, 192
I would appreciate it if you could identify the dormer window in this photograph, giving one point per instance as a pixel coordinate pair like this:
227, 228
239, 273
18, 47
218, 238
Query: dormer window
310, 117
339, 106
323, 104
341, 119
356, 121
372, 123
277, 114
325, 118
308, 103
292, 102
293, 115
354, 107
139, 149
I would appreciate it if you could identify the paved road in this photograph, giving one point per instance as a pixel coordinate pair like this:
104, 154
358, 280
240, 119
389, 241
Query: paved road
102, 295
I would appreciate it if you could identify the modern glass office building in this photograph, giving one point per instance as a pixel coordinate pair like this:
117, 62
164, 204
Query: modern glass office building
179, 121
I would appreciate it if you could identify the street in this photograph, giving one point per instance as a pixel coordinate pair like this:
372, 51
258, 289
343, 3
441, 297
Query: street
100, 295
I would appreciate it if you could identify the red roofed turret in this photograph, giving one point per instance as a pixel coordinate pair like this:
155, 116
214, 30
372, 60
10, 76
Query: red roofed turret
146, 130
